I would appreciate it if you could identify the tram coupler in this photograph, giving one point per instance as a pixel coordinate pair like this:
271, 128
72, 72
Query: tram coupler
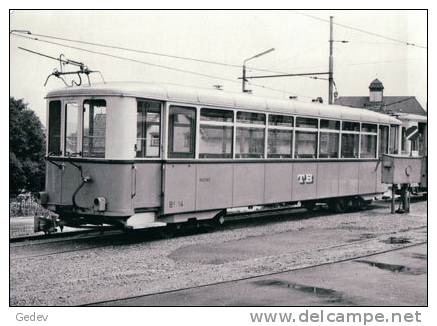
46, 224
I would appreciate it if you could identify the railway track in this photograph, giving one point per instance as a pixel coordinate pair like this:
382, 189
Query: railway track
111, 237
108, 302
256, 216
82, 241
233, 219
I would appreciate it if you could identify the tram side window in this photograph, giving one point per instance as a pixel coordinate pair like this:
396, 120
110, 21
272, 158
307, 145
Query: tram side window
94, 128
306, 144
368, 141
394, 140
148, 129
306, 140
54, 139
182, 122
250, 140
280, 136
306, 122
71, 129
328, 145
350, 126
280, 143
215, 133
368, 146
383, 140
349, 145
329, 138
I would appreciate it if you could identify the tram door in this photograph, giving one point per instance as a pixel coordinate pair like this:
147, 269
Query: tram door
63, 140
179, 178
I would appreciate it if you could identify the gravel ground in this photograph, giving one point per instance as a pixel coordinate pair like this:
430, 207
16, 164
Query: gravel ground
118, 271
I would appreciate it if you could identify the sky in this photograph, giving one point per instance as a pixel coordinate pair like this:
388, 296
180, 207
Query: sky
300, 39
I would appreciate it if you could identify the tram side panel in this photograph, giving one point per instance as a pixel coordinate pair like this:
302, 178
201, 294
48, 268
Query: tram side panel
368, 177
278, 182
304, 185
214, 186
248, 184
209, 186
179, 188
328, 179
53, 183
348, 179
147, 185
114, 182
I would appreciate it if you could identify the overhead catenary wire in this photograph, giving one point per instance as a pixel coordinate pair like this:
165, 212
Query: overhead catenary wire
151, 64
116, 47
389, 38
30, 34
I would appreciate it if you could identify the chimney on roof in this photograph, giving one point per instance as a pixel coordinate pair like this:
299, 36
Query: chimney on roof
376, 92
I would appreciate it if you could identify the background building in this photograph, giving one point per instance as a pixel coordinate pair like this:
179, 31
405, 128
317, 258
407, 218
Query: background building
406, 108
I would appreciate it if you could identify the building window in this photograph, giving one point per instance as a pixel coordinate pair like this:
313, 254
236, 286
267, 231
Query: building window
54, 139
94, 128
71, 129
216, 133
148, 129
368, 146
329, 145
383, 140
349, 145
182, 123
306, 144
280, 143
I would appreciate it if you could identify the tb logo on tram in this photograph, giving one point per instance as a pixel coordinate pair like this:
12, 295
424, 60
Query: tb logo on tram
305, 178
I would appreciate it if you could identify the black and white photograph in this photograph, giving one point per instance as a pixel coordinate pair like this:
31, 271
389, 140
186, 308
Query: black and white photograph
219, 158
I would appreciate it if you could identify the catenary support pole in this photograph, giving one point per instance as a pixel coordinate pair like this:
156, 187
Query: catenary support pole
331, 60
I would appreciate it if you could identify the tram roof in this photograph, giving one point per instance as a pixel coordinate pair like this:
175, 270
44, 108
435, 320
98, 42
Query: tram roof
212, 97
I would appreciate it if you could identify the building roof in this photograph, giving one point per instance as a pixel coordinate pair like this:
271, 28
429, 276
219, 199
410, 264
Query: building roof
392, 104
376, 85
222, 99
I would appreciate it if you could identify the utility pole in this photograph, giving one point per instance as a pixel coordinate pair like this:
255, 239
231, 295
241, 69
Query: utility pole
331, 60
244, 79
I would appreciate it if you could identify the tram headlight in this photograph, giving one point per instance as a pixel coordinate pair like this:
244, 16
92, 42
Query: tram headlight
100, 204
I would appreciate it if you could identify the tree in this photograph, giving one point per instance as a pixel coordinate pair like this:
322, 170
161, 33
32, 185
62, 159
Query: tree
26, 149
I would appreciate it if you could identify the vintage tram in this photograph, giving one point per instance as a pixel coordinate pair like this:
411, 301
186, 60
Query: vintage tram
147, 154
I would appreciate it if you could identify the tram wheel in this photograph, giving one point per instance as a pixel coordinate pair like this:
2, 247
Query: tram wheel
337, 205
309, 205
